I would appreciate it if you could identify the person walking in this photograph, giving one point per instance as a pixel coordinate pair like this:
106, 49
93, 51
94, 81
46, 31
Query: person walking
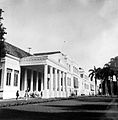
17, 94
26, 94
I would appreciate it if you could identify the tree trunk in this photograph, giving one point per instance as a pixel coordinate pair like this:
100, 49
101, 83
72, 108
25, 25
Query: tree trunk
101, 87
111, 86
117, 86
106, 87
95, 86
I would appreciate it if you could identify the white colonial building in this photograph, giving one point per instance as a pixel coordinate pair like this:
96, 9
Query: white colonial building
52, 73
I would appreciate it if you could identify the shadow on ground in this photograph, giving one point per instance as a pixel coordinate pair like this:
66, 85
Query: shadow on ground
57, 112
7, 114
78, 108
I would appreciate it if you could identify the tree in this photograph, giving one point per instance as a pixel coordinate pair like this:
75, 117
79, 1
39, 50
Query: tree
2, 39
114, 65
107, 74
116, 75
94, 74
111, 74
100, 77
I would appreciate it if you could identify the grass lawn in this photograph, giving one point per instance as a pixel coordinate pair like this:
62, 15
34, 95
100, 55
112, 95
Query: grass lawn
82, 108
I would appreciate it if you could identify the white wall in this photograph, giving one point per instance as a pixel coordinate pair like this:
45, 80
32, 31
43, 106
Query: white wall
58, 58
11, 63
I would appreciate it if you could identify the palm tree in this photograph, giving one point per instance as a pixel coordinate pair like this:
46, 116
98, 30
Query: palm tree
100, 77
114, 67
111, 74
105, 78
94, 74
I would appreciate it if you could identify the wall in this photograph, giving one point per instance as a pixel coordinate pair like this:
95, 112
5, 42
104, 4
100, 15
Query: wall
59, 58
11, 63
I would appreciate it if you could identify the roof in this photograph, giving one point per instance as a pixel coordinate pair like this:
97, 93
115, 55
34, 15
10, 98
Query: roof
15, 51
47, 53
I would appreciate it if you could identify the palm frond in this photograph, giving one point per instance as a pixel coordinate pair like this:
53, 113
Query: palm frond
91, 74
91, 70
92, 77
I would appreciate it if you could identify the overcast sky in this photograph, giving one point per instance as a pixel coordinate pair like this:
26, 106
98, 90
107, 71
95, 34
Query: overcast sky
88, 27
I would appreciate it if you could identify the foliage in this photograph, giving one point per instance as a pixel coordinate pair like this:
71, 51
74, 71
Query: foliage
106, 74
2, 39
2, 49
95, 73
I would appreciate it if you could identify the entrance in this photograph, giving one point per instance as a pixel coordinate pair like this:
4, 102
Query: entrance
31, 84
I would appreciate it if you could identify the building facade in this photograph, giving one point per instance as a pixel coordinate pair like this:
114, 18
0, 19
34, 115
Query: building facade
50, 74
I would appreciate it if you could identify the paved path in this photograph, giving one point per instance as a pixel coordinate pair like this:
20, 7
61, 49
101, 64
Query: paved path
73, 109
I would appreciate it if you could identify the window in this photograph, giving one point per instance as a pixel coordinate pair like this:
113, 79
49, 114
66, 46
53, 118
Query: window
69, 81
81, 75
16, 78
75, 82
8, 82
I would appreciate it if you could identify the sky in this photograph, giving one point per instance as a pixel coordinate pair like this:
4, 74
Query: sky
86, 30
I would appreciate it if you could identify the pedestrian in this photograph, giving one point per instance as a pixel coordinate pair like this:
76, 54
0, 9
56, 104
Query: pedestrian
17, 94
26, 94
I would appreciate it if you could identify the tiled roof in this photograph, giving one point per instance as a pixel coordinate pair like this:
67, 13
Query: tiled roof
47, 53
15, 51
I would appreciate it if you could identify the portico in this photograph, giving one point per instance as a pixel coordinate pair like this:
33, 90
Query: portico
41, 74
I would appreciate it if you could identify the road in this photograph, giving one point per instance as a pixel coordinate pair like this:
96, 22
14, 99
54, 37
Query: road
73, 109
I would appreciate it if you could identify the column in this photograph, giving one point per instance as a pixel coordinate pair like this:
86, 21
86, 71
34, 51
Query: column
45, 76
42, 82
63, 83
55, 79
31, 85
51, 78
59, 80
37, 80
25, 80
